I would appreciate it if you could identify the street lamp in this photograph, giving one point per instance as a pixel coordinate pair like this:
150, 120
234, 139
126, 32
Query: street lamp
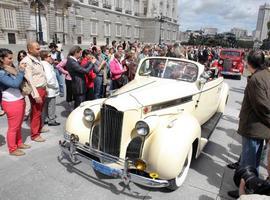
161, 19
39, 4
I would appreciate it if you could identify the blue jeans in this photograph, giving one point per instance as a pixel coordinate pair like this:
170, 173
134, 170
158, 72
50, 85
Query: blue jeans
251, 152
98, 87
60, 81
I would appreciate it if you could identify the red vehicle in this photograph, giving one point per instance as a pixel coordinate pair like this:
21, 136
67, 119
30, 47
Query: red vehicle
230, 62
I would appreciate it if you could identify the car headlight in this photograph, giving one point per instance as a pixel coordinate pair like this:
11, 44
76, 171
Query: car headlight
220, 62
89, 115
142, 128
234, 63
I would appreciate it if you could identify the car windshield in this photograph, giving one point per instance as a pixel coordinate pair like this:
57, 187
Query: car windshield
230, 53
169, 69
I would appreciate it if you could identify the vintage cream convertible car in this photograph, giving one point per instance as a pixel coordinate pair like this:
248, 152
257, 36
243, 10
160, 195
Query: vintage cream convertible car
148, 131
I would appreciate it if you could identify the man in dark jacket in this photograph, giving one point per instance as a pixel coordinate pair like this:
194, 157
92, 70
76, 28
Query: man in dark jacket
254, 124
77, 73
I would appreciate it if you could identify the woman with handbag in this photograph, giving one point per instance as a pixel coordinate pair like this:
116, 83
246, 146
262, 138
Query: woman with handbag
12, 101
117, 72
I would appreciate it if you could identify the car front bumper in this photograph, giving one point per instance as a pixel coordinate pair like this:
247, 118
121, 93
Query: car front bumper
231, 73
74, 151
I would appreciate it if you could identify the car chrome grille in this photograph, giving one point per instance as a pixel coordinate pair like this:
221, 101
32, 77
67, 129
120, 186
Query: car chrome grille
134, 148
95, 137
111, 129
227, 65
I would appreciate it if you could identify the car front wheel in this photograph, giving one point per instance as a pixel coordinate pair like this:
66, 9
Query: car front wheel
179, 180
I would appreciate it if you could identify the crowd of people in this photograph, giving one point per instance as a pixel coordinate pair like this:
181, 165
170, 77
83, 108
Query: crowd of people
92, 73
87, 74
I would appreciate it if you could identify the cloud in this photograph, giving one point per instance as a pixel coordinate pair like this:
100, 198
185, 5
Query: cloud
223, 15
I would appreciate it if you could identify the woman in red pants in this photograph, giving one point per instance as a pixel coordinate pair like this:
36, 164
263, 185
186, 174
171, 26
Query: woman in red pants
12, 101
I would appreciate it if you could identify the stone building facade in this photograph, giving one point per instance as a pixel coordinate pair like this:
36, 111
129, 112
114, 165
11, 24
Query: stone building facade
89, 21
263, 19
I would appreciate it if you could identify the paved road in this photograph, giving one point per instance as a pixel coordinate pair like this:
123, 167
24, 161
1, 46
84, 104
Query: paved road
40, 175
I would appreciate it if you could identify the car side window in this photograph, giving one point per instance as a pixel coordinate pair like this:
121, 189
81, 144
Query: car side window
169, 69
181, 70
153, 67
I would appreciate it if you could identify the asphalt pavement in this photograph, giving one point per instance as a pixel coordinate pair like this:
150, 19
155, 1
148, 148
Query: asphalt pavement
42, 175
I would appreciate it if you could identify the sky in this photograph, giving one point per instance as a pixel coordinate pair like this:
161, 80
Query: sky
221, 14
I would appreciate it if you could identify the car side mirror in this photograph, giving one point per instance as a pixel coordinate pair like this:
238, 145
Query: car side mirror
201, 81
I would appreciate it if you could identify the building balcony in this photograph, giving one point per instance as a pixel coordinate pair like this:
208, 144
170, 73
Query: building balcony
118, 9
94, 3
128, 12
108, 6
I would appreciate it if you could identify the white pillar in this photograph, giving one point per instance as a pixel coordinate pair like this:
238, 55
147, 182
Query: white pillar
141, 7
132, 7
149, 8
122, 2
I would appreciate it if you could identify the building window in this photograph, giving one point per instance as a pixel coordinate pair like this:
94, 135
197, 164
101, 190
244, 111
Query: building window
136, 32
107, 28
107, 41
93, 2
94, 40
107, 4
9, 17
79, 26
11, 38
59, 23
81, 1
118, 30
128, 32
79, 40
94, 27
77, 11
168, 35
136, 8
174, 35
118, 3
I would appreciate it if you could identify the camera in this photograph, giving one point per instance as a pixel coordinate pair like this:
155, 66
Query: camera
254, 185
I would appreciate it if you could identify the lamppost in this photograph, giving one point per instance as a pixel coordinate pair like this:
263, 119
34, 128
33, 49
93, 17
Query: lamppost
161, 19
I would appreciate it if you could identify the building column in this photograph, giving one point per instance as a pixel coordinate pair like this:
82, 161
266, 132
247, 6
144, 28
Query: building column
132, 7
123, 5
149, 8
113, 4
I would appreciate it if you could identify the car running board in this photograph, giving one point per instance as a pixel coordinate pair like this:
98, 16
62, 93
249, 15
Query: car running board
210, 125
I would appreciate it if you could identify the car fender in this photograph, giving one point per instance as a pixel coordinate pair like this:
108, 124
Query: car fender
165, 150
215, 63
76, 124
241, 67
223, 97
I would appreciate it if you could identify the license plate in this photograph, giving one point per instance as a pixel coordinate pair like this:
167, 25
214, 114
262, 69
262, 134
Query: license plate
105, 169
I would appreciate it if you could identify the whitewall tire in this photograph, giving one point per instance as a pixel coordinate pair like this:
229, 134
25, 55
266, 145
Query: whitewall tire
179, 180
